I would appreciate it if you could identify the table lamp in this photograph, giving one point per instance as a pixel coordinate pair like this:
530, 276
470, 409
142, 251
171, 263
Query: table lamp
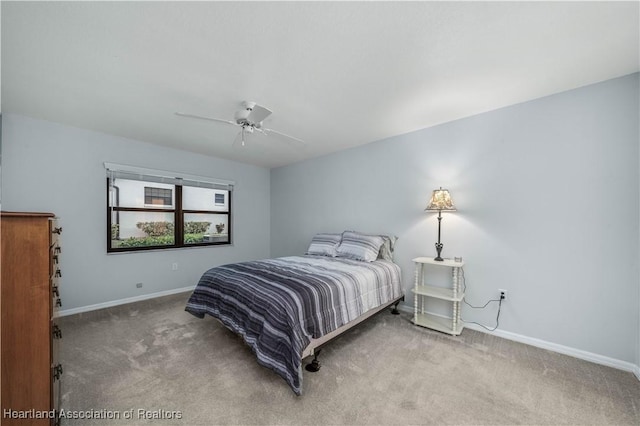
440, 200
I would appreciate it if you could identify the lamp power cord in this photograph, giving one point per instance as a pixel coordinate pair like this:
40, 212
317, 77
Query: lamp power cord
499, 301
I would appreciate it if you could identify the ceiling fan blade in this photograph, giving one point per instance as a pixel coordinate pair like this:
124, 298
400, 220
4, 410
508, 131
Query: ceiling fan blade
258, 113
287, 138
200, 117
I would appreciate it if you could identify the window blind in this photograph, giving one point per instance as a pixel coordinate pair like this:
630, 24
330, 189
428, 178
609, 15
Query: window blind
121, 171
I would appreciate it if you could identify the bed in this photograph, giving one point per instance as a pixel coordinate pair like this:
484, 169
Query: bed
285, 308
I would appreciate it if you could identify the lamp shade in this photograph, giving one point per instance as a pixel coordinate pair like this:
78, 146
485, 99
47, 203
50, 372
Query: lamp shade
441, 200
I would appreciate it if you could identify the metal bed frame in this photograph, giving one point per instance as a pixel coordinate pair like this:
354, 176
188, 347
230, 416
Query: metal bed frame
314, 347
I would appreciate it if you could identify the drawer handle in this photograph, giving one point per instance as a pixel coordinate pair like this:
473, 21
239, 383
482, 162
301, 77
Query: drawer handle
57, 250
59, 302
57, 230
57, 372
55, 259
58, 273
57, 333
55, 291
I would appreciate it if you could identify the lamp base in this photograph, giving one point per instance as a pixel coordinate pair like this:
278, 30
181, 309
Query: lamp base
439, 250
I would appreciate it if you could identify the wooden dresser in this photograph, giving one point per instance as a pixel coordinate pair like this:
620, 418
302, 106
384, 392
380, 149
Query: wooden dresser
30, 275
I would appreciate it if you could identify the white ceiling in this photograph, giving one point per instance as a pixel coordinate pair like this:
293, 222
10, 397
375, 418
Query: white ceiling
335, 74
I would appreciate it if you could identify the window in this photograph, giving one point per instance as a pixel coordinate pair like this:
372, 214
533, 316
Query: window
150, 211
158, 196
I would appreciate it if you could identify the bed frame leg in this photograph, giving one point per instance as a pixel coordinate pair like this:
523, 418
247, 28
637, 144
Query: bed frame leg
395, 310
315, 364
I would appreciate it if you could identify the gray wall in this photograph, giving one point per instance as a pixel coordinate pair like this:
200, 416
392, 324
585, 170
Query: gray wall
56, 168
548, 204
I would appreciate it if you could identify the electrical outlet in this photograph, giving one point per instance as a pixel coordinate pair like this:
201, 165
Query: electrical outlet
174, 267
503, 294
138, 285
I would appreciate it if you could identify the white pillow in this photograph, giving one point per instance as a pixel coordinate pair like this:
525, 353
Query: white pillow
324, 244
386, 250
359, 246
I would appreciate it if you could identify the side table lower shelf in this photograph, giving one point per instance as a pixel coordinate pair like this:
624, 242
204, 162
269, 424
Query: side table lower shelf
438, 323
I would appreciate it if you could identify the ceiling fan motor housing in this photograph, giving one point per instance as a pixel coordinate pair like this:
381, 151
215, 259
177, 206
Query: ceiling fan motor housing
252, 115
242, 116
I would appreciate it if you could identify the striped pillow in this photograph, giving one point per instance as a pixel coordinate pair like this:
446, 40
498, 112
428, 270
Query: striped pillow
359, 246
324, 244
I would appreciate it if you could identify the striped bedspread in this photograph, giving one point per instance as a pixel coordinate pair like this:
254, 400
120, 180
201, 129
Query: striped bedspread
279, 305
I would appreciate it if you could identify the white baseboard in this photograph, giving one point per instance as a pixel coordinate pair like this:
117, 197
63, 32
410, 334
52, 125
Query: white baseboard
554, 347
566, 350
66, 312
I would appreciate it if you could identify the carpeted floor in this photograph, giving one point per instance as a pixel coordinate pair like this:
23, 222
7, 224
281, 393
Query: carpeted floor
155, 363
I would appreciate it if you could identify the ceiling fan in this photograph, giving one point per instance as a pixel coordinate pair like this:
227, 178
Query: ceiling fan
249, 120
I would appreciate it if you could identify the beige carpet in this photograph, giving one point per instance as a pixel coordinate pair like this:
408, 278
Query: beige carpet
154, 357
